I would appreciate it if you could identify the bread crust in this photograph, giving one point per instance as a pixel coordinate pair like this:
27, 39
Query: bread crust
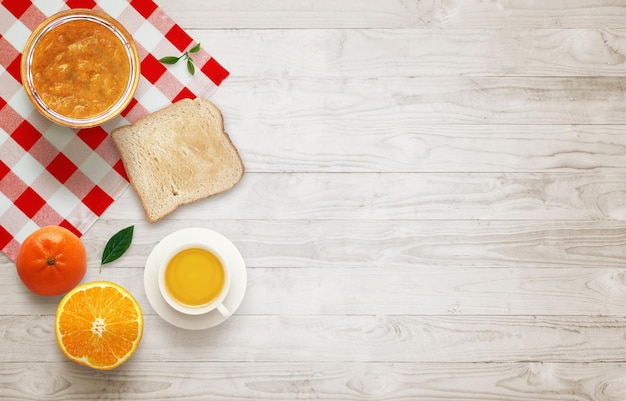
178, 155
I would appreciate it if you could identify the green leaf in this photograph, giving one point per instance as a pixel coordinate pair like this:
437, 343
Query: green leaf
117, 245
190, 66
173, 60
169, 60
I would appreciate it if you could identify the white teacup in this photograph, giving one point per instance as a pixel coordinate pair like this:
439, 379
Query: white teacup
193, 279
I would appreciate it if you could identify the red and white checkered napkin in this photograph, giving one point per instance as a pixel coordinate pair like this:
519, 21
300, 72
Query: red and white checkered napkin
55, 175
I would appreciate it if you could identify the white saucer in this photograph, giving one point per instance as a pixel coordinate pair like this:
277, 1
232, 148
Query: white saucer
232, 258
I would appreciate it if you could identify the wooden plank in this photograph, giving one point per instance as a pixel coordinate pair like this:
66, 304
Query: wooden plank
391, 244
288, 14
357, 338
527, 14
253, 380
408, 146
368, 53
322, 103
476, 14
454, 291
397, 244
461, 196
389, 291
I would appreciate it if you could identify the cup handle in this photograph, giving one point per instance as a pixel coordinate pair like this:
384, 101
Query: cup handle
223, 310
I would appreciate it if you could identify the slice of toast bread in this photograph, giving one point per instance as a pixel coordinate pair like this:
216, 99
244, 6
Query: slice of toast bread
178, 155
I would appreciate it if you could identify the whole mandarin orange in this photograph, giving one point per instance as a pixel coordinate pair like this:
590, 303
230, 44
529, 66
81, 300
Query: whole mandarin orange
51, 261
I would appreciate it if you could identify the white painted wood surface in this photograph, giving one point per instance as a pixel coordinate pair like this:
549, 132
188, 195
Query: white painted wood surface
434, 208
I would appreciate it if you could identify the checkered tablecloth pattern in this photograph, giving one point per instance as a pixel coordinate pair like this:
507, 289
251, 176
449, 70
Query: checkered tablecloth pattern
55, 175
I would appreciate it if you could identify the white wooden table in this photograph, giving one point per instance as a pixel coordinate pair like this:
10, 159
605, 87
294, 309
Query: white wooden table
434, 208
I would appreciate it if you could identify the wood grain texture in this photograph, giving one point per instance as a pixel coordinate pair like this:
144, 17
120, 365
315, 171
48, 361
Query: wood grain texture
434, 208
426, 100
411, 147
321, 381
376, 196
457, 291
368, 53
477, 14
357, 338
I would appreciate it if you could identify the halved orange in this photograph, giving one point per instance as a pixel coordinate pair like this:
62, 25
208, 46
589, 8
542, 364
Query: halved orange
98, 324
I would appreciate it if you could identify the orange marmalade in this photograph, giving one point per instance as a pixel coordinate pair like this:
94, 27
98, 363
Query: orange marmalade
80, 69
